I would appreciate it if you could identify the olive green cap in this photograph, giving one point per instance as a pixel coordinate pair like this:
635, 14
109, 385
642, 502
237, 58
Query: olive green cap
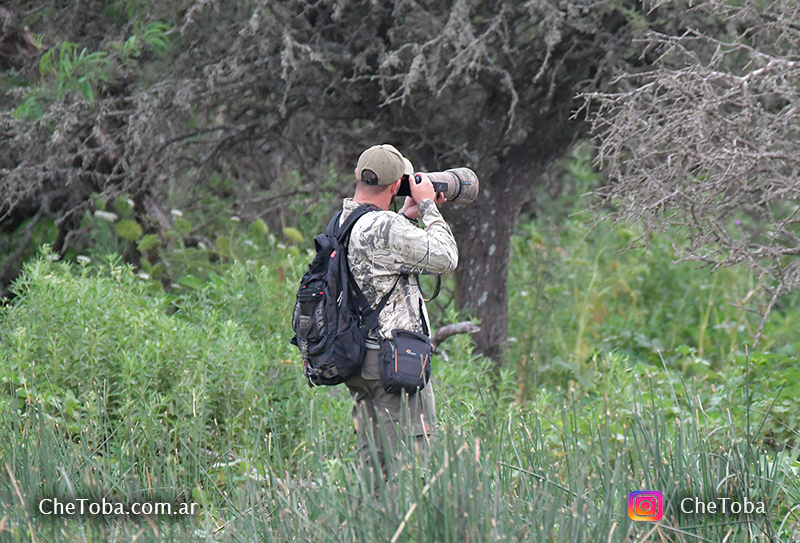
385, 162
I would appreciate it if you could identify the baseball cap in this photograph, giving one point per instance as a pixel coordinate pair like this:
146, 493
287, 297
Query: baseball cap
385, 162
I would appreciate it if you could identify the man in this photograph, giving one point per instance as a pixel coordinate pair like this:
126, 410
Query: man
387, 251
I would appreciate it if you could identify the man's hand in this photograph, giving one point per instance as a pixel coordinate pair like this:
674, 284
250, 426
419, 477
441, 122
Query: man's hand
422, 191
410, 208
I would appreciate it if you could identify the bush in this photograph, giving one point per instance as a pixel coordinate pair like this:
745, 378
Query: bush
98, 347
576, 294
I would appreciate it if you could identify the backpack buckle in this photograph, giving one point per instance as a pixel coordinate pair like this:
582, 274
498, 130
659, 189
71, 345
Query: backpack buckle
304, 349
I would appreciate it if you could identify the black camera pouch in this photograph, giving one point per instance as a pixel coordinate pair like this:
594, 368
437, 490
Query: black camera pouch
405, 362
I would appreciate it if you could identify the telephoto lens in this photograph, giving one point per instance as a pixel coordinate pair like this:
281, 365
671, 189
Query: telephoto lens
459, 185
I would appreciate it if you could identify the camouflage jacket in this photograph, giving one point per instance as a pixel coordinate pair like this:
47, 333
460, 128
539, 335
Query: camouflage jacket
385, 246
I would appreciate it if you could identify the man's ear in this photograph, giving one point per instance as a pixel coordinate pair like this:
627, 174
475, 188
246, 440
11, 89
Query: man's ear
396, 186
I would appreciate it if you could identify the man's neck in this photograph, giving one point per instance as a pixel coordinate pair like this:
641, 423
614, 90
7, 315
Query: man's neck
383, 201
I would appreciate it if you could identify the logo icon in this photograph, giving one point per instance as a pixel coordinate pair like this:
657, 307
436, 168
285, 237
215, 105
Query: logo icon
645, 505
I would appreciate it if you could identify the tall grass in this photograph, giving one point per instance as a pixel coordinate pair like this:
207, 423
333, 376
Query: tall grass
575, 295
560, 473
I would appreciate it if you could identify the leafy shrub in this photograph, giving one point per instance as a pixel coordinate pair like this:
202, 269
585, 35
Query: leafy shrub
74, 336
576, 294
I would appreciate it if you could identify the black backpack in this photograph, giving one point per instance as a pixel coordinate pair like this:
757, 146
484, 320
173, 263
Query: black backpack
332, 318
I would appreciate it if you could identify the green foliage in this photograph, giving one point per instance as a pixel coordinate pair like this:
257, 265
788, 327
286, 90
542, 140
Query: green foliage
29, 110
205, 237
123, 11
129, 230
43, 232
123, 206
117, 340
152, 36
148, 242
68, 67
74, 68
577, 292
294, 234
258, 229
583, 293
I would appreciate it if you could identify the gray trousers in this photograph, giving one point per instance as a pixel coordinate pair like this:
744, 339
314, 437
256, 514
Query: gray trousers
385, 422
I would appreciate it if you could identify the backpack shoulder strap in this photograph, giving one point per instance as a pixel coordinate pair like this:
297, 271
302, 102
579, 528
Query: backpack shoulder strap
371, 315
342, 233
323, 241
333, 225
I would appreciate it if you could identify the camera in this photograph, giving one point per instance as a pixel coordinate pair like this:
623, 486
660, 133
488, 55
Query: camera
459, 185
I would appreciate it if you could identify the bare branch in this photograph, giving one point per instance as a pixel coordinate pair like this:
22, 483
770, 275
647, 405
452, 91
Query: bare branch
465, 327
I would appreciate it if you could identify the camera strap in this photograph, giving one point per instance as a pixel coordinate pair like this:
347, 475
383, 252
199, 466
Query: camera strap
436, 289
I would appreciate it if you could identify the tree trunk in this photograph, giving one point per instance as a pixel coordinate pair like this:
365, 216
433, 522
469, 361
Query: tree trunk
483, 228
483, 231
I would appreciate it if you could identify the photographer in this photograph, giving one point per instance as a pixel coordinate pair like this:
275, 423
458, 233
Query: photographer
386, 253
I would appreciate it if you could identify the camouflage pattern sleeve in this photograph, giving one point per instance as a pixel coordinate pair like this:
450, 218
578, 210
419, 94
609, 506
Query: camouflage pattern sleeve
432, 250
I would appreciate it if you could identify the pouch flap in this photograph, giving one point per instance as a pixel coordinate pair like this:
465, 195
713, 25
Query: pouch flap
408, 335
